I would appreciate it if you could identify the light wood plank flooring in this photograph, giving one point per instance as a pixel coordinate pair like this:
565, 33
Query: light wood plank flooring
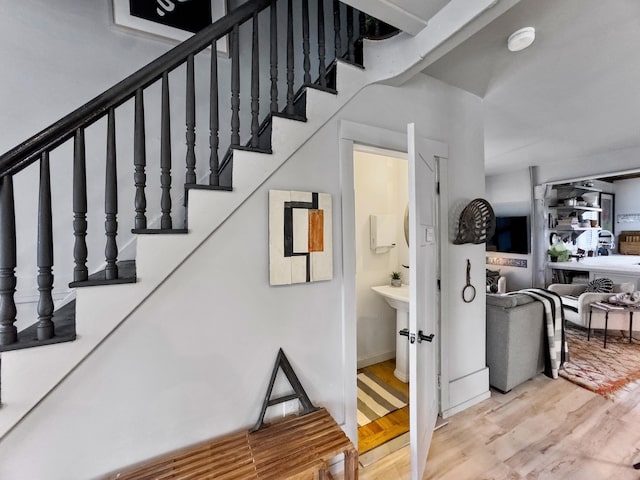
391, 425
542, 429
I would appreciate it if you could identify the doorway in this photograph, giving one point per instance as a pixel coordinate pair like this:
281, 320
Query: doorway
422, 223
380, 201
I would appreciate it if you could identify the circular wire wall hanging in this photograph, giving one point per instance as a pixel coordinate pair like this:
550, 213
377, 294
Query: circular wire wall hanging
477, 223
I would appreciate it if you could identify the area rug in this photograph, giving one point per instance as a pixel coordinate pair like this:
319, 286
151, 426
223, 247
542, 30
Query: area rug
376, 399
595, 368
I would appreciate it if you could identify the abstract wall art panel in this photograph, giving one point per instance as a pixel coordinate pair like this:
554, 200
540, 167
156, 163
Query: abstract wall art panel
300, 248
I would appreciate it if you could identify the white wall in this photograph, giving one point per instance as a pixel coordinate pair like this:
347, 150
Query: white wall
380, 188
510, 195
193, 362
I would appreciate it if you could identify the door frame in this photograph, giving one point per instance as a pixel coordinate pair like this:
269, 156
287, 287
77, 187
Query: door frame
351, 133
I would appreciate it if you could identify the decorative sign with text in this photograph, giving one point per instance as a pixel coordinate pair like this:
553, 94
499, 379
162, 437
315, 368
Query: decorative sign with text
174, 19
189, 15
507, 262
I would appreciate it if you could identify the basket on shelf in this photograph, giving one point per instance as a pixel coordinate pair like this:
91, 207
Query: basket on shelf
629, 242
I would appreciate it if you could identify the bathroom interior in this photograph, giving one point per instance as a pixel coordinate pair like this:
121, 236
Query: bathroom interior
381, 195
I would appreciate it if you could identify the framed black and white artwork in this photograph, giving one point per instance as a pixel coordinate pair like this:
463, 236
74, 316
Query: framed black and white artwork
608, 211
172, 19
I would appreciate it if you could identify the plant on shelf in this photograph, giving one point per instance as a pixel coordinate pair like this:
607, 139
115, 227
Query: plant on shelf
396, 279
558, 252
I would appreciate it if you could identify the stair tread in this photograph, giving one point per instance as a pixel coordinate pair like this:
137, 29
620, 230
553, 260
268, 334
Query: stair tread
290, 116
159, 231
126, 274
248, 148
64, 320
194, 186
320, 88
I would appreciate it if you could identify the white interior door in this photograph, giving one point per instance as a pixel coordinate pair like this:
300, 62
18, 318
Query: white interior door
423, 306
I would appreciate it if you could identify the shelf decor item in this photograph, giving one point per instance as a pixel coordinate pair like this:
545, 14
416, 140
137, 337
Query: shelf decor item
396, 279
606, 216
477, 223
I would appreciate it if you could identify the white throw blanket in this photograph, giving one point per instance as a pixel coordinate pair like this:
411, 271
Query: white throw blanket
554, 322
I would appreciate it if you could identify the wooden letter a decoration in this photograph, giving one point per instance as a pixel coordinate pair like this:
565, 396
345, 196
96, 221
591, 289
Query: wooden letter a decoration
299, 393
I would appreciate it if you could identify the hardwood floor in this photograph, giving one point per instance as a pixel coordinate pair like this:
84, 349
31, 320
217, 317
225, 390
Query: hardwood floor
542, 429
392, 425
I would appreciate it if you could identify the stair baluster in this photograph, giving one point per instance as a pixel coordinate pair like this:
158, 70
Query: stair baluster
290, 61
322, 67
39, 146
214, 126
351, 50
80, 271
140, 162
111, 200
306, 64
235, 86
255, 83
273, 56
8, 332
190, 176
45, 328
165, 156
336, 29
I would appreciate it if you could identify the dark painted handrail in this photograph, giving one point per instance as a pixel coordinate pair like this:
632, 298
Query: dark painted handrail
31, 150
39, 147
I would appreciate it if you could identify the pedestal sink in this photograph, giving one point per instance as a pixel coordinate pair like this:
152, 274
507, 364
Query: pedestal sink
398, 298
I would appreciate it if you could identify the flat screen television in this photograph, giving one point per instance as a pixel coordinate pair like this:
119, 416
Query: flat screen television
512, 235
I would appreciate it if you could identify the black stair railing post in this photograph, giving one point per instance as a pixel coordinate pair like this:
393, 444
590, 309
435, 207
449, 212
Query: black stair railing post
190, 177
255, 83
351, 48
8, 312
305, 42
290, 58
273, 57
322, 67
111, 201
214, 121
362, 21
336, 29
80, 271
235, 86
45, 327
165, 156
140, 162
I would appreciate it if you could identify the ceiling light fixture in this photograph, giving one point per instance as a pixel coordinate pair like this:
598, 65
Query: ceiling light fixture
521, 39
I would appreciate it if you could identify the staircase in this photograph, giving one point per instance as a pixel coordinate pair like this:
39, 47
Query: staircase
44, 352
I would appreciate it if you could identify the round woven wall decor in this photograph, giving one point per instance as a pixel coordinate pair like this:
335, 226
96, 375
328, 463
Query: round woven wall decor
477, 222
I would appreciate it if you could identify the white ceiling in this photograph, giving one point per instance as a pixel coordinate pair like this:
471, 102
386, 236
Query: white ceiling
575, 92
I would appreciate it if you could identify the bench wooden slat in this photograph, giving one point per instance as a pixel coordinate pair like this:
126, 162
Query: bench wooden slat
296, 448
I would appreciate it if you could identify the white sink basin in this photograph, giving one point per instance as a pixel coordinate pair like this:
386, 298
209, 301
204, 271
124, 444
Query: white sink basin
398, 298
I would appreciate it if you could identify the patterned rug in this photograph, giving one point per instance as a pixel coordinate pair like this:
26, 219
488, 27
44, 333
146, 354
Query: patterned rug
595, 368
376, 399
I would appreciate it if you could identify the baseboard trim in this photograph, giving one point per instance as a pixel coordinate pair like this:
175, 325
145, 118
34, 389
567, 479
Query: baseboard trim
383, 357
467, 391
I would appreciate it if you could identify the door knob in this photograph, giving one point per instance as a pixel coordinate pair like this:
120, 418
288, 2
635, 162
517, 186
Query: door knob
410, 336
422, 336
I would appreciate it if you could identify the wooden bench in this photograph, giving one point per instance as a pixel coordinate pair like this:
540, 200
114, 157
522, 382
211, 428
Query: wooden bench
295, 448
